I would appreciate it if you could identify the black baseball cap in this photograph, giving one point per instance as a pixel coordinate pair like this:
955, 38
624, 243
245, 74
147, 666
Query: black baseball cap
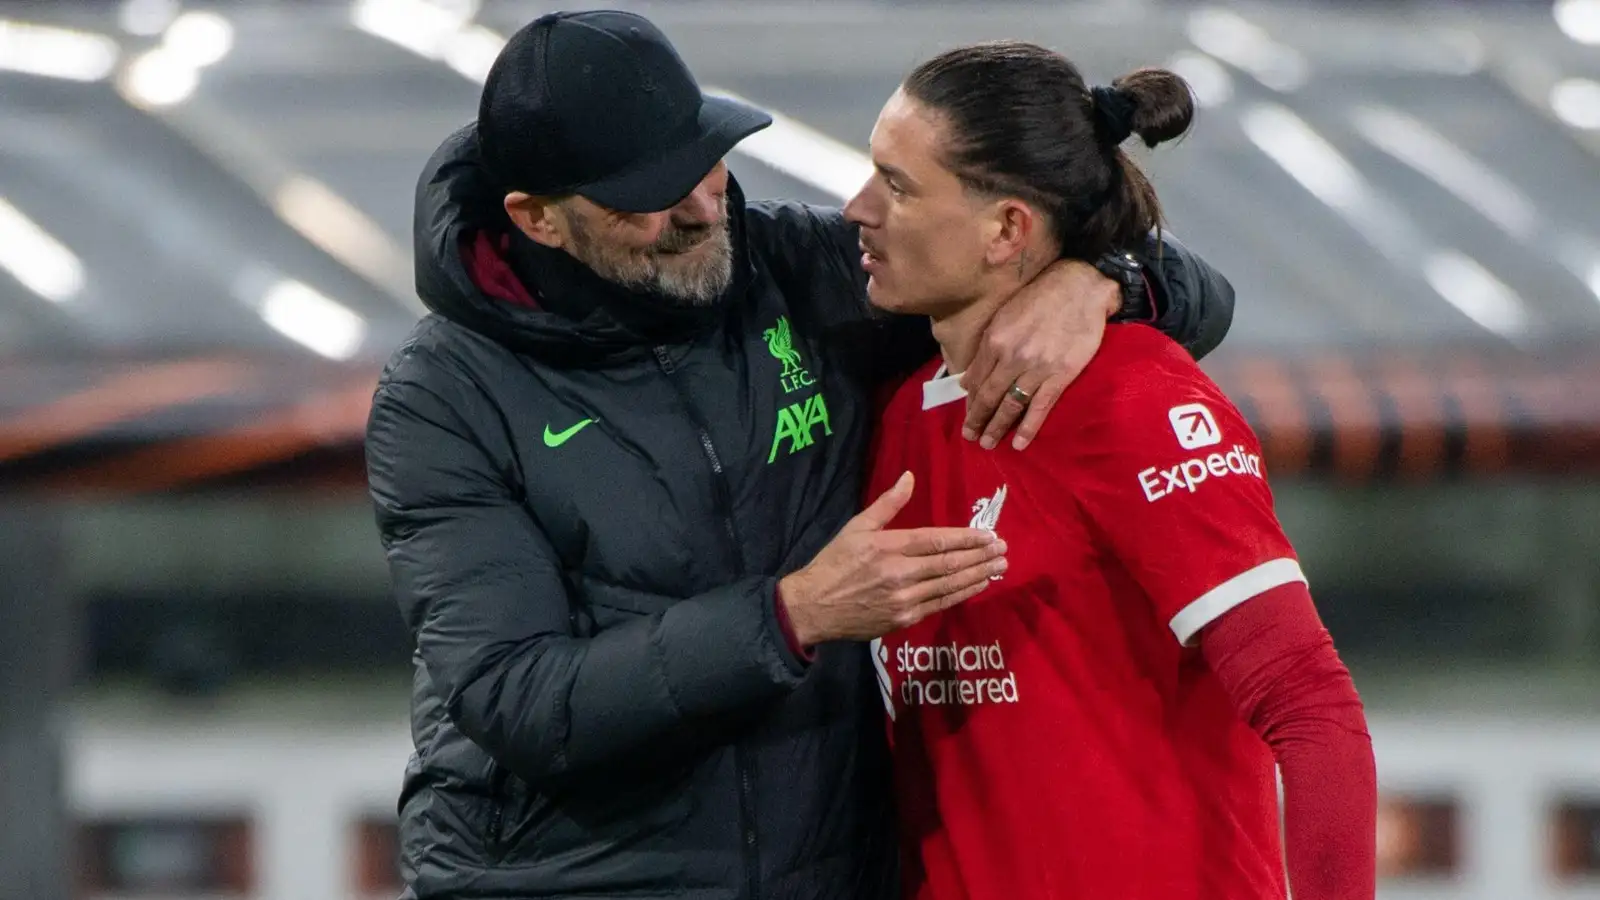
599, 104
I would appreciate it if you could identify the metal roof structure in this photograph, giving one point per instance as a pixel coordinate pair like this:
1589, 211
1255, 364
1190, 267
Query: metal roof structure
205, 211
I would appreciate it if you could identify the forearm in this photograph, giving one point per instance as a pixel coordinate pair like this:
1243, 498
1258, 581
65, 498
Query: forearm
1329, 786
492, 609
557, 707
1278, 665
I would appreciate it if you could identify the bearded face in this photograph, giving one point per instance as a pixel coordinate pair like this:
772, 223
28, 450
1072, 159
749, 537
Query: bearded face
688, 262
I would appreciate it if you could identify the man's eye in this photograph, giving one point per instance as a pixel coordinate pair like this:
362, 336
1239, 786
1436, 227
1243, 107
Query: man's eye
896, 190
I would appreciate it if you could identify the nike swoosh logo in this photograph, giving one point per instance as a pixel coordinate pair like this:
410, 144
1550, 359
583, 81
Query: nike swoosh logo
557, 438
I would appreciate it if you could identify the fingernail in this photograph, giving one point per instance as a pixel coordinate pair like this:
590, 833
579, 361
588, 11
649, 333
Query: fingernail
999, 548
969, 434
1019, 444
998, 566
987, 443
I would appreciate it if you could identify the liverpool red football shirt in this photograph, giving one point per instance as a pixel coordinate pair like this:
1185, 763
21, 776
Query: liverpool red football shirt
1059, 736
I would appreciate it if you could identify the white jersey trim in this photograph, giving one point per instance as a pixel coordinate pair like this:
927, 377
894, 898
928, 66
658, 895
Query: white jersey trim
942, 388
1213, 603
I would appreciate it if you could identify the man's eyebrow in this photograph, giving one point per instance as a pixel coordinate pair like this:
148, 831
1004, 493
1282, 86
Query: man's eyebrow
891, 172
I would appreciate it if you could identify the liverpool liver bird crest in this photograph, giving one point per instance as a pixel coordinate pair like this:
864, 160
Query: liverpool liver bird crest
780, 343
986, 515
986, 512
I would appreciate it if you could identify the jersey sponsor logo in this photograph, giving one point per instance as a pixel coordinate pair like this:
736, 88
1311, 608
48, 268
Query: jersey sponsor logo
1191, 473
880, 665
1195, 426
797, 421
986, 515
952, 674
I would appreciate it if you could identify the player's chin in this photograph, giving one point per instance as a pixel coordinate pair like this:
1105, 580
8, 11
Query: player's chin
883, 294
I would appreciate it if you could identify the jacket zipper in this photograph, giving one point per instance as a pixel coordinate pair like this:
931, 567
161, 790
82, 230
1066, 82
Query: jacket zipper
746, 820
497, 810
724, 501
719, 478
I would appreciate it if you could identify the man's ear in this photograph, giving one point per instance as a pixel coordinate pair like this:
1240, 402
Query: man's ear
536, 217
1015, 224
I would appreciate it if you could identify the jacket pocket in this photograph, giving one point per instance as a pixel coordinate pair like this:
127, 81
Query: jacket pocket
539, 827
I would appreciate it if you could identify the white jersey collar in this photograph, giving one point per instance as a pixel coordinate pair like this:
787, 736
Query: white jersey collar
941, 389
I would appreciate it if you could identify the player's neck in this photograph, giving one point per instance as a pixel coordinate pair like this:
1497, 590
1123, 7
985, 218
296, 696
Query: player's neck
959, 333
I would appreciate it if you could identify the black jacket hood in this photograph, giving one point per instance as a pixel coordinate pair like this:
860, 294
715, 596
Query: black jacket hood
474, 268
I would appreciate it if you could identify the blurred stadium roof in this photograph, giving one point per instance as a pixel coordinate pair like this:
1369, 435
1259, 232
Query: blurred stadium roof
205, 210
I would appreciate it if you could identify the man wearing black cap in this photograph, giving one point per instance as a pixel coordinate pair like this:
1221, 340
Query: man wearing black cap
622, 452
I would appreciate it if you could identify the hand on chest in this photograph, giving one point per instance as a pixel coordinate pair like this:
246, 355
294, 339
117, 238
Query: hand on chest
1000, 495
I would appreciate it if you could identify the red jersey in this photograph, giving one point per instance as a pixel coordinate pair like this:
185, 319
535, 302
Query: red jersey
1059, 736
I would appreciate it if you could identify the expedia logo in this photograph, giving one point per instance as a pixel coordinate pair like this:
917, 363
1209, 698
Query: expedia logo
1191, 473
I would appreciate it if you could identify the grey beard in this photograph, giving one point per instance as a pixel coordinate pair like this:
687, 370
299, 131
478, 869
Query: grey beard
699, 285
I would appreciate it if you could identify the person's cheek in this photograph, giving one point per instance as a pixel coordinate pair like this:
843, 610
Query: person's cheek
646, 230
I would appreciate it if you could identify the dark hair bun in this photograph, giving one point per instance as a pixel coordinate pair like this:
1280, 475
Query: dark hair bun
1163, 105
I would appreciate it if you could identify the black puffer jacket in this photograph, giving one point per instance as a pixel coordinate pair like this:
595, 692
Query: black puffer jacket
604, 702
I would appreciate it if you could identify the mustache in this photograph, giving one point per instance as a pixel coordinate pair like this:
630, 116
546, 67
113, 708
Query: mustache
682, 238
679, 239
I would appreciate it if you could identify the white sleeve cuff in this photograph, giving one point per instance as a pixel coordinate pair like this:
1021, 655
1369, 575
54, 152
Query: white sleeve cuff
1213, 603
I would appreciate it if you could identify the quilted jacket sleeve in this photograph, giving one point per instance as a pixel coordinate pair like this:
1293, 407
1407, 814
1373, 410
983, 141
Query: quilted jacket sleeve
484, 598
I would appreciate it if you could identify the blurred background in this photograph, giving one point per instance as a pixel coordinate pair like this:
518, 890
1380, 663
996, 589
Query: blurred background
205, 212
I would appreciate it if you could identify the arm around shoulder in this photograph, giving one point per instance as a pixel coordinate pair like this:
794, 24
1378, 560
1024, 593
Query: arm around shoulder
814, 255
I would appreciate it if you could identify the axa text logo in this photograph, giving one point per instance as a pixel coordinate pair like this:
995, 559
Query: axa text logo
797, 423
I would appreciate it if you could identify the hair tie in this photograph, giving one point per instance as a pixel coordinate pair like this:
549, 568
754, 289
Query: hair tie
1114, 109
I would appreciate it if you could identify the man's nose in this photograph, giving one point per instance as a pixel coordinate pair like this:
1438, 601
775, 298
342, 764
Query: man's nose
703, 206
857, 210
